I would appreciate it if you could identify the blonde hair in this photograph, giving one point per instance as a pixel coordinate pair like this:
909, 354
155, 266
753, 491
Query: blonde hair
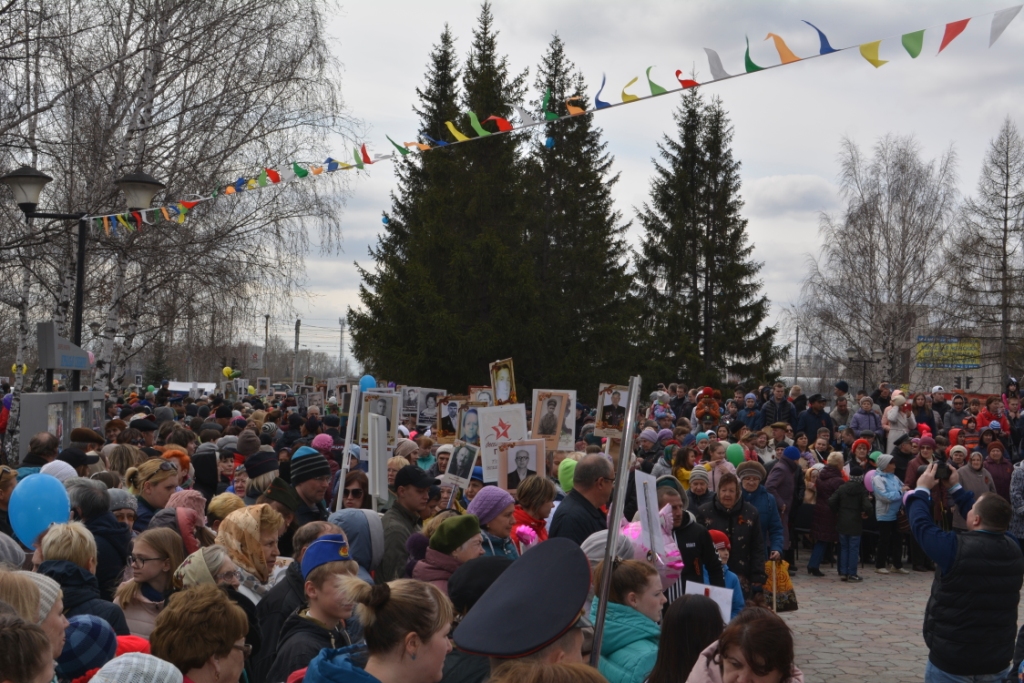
148, 472
258, 486
72, 542
430, 526
390, 611
123, 457
576, 455
21, 593
223, 505
535, 671
836, 459
534, 491
398, 460
628, 576
165, 543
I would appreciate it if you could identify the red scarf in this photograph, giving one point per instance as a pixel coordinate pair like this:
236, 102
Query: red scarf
526, 519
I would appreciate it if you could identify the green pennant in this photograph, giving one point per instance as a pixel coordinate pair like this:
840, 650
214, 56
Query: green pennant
401, 149
751, 67
548, 115
359, 160
262, 180
655, 88
913, 42
299, 171
475, 125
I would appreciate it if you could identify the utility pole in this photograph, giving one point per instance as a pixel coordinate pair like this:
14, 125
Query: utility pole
796, 368
295, 358
341, 348
266, 344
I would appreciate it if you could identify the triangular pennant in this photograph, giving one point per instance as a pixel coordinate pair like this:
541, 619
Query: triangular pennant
332, 165
123, 222
262, 181
418, 145
252, 184
1000, 20
299, 171
287, 174
869, 51
748, 62
786, 55
230, 189
628, 97
598, 102
825, 47
240, 185
166, 215
548, 115
401, 149
953, 29
436, 143
718, 72
525, 117
187, 205
503, 125
455, 132
138, 219
573, 109
655, 88
685, 82
913, 42
474, 123
366, 156
273, 175
359, 159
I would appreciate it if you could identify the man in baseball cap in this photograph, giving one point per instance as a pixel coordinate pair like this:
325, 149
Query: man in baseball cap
402, 520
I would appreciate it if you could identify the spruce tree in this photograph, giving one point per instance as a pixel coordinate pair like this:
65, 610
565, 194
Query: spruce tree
453, 283
158, 368
578, 238
705, 311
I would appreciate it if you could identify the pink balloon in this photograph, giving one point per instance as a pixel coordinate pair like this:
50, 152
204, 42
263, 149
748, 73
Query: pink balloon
868, 481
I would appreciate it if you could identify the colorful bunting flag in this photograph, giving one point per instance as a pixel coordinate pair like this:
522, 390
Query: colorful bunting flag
869, 51
953, 29
436, 143
574, 110
548, 115
1000, 20
748, 62
474, 123
627, 97
598, 102
825, 47
503, 125
785, 54
525, 117
913, 42
273, 175
685, 82
402, 150
299, 171
655, 88
715, 63
455, 132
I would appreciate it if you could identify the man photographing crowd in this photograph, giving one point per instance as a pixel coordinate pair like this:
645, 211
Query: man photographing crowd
971, 618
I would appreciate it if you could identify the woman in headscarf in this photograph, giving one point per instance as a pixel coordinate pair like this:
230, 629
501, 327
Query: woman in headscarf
250, 537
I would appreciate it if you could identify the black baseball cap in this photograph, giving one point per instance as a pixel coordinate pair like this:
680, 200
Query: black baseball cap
410, 475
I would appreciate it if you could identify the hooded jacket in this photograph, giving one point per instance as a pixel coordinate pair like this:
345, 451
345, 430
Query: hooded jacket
436, 568
365, 533
499, 547
888, 496
630, 645
742, 525
771, 521
302, 638
848, 502
867, 421
82, 594
113, 540
698, 555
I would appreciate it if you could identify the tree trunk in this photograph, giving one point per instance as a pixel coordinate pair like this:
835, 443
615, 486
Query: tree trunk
13, 426
106, 357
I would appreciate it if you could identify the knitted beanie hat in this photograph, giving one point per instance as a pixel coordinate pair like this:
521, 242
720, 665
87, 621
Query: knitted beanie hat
122, 500
11, 553
134, 667
260, 463
59, 469
323, 443
884, 460
566, 471
308, 465
649, 435
90, 642
49, 591
189, 498
248, 442
751, 469
791, 453
698, 473
488, 504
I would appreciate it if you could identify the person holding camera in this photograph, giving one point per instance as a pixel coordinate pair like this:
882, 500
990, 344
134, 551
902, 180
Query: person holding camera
970, 621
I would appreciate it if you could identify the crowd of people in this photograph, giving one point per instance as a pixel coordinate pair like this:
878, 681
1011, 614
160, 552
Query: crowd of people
215, 542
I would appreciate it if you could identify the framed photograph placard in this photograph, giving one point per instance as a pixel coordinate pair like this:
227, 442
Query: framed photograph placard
517, 460
549, 416
612, 400
503, 379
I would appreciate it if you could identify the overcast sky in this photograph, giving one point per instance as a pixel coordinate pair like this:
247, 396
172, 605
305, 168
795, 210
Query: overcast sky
788, 121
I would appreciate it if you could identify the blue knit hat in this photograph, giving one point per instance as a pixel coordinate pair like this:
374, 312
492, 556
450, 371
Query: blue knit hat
478, 474
791, 452
90, 642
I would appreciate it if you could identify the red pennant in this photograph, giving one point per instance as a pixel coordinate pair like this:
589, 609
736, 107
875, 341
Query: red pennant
187, 205
953, 29
503, 125
366, 156
685, 82
273, 175
138, 219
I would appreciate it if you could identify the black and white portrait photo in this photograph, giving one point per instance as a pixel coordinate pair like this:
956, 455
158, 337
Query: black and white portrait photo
522, 462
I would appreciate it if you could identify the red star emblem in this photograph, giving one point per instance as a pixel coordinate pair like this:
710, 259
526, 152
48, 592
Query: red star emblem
501, 431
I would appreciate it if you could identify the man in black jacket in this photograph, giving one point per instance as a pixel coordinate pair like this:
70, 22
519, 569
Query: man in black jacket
695, 545
90, 504
285, 597
579, 514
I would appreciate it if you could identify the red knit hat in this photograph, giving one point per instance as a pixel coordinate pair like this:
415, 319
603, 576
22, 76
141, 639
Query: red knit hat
860, 442
720, 539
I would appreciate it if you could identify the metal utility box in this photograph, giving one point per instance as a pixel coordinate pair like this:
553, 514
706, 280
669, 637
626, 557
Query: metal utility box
59, 413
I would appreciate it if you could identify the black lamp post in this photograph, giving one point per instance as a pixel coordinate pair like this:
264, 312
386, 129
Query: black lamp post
850, 352
27, 184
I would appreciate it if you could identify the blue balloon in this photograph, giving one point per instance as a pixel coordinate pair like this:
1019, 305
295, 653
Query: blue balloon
367, 382
38, 501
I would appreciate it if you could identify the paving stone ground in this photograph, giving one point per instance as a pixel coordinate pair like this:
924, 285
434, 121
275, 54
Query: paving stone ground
868, 631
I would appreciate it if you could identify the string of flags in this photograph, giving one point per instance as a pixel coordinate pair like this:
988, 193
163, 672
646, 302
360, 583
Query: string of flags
177, 211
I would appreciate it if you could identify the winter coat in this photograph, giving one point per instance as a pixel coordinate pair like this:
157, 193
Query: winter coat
141, 614
900, 423
698, 553
867, 421
985, 418
954, 419
840, 420
280, 601
742, 525
498, 547
771, 522
716, 472
706, 670
810, 422
113, 540
778, 412
1016, 500
1001, 473
752, 418
848, 503
143, 515
786, 483
708, 407
436, 568
733, 582
823, 525
82, 594
888, 496
576, 519
697, 501
302, 638
630, 645
399, 525
365, 533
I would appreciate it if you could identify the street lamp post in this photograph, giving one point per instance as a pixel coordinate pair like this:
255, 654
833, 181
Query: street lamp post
863, 366
27, 184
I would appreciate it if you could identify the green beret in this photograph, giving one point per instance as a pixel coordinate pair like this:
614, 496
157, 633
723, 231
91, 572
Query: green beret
453, 532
